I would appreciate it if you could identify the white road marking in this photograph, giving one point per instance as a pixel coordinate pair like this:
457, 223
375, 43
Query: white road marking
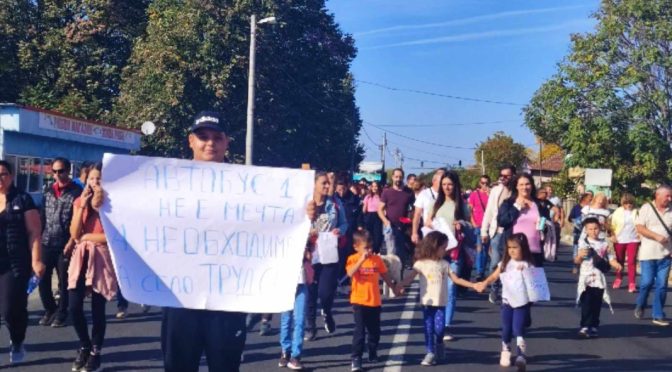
396, 356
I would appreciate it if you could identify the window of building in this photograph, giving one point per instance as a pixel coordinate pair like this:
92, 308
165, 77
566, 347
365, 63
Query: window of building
48, 175
35, 175
22, 176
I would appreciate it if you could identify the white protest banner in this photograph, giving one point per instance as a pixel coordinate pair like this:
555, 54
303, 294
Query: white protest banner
441, 225
327, 248
520, 287
204, 235
513, 288
536, 284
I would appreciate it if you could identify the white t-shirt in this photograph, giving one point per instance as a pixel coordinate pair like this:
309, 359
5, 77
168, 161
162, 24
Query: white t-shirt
433, 285
628, 233
426, 200
511, 266
651, 249
587, 269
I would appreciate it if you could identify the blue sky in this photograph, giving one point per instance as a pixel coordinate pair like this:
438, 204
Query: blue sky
492, 50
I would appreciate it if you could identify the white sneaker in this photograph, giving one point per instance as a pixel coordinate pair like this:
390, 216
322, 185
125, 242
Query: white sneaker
428, 360
505, 359
584, 333
448, 337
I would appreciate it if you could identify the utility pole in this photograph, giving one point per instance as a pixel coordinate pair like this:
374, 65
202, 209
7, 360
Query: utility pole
383, 175
382, 149
541, 166
397, 157
249, 136
482, 162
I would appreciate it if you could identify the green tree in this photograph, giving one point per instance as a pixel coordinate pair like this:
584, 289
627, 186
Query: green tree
609, 104
195, 57
17, 18
74, 56
500, 150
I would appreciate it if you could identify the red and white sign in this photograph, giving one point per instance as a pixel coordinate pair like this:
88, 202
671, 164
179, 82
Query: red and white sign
87, 129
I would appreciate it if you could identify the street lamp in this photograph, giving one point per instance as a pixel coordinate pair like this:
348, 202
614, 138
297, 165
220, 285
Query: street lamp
250, 85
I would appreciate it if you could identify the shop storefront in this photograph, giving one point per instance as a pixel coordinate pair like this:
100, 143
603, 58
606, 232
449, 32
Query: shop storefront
31, 138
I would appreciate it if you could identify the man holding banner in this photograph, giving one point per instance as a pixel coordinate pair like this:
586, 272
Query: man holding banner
209, 242
187, 333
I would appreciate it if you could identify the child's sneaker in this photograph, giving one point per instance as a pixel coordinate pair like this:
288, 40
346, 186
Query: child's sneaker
505, 358
583, 332
428, 360
521, 363
593, 332
617, 283
632, 288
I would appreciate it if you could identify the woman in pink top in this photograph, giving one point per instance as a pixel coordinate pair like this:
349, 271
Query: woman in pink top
371, 220
90, 273
523, 213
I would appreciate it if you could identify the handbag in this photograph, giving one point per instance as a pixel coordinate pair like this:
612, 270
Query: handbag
598, 261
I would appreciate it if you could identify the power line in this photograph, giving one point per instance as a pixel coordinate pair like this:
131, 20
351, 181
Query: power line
369, 136
423, 151
427, 161
418, 140
446, 125
450, 96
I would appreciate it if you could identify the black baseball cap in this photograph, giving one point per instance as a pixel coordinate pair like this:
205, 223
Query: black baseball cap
208, 119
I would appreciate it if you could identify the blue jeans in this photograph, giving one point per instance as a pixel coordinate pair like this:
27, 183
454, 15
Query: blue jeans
496, 245
452, 293
482, 255
291, 340
434, 318
654, 273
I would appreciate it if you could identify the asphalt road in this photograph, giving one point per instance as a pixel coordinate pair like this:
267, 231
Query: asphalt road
625, 343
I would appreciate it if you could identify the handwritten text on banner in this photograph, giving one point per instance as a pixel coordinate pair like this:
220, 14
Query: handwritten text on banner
204, 235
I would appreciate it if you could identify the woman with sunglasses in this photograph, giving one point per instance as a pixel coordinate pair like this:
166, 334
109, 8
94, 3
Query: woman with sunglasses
524, 213
20, 232
626, 240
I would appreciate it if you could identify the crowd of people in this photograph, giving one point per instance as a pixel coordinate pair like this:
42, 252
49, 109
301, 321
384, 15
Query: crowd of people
498, 227
506, 225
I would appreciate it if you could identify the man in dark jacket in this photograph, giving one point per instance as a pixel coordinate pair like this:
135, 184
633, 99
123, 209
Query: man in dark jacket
56, 216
